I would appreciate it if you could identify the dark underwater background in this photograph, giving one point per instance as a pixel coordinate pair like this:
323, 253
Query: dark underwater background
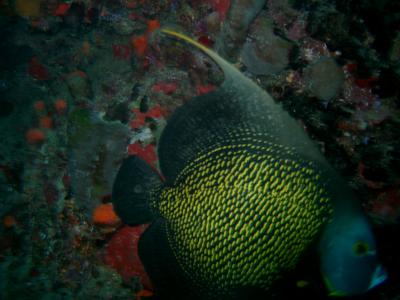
85, 83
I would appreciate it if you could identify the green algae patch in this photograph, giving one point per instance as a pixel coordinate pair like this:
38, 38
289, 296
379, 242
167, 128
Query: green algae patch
80, 125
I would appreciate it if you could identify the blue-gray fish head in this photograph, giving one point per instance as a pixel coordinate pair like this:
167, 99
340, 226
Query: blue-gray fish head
349, 261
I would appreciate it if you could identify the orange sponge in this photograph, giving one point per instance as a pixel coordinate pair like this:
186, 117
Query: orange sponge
35, 136
104, 215
140, 45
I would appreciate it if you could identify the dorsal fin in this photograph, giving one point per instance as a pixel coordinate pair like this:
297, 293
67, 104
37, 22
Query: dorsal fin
238, 105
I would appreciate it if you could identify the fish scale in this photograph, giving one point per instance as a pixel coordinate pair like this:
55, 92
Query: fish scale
269, 203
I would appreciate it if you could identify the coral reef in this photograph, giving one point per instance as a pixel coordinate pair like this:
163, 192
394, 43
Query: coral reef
83, 84
265, 53
324, 78
95, 149
235, 28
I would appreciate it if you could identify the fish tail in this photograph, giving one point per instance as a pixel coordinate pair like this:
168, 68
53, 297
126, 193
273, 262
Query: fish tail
135, 189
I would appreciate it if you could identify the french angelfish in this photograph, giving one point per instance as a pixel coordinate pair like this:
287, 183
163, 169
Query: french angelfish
246, 192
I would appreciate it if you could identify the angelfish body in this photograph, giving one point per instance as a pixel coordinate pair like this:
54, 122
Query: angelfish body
246, 193
243, 212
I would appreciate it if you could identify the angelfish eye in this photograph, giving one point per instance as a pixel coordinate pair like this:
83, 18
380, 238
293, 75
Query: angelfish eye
360, 248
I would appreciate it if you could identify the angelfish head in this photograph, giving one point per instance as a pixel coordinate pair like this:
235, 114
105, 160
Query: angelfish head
349, 261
